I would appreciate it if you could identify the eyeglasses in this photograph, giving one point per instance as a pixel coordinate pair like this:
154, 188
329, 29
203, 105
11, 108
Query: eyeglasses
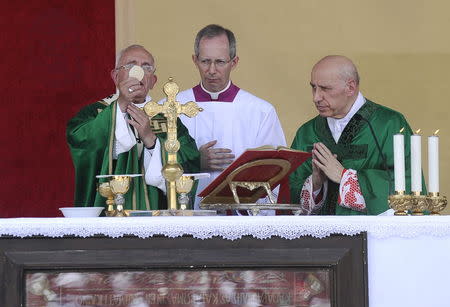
146, 67
218, 63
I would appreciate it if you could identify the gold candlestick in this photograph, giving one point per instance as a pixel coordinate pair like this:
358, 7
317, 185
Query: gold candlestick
436, 203
419, 203
400, 202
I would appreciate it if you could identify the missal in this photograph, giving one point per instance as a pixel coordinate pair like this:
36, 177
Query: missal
264, 164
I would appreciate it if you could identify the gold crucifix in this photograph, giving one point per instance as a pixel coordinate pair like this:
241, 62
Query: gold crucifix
171, 109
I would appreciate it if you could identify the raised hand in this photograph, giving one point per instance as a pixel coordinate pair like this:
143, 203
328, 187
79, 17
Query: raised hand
131, 90
215, 159
141, 122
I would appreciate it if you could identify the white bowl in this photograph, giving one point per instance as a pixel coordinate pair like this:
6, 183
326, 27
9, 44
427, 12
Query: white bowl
81, 211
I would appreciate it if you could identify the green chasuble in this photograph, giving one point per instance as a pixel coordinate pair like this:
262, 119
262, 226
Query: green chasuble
356, 149
90, 135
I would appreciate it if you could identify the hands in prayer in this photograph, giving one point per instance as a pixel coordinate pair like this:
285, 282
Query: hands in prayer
214, 159
324, 165
140, 121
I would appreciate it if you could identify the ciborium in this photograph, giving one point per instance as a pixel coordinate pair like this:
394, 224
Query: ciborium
400, 203
436, 203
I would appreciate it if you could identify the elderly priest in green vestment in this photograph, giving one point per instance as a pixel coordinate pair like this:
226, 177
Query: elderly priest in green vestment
115, 136
351, 167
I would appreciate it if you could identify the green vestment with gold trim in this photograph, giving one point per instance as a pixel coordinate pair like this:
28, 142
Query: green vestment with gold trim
90, 135
356, 149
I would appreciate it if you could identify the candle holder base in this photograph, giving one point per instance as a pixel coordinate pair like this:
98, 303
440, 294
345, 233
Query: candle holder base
419, 203
436, 203
400, 203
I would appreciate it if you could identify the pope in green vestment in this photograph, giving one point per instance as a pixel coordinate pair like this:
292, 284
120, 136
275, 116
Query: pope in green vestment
115, 136
90, 135
348, 174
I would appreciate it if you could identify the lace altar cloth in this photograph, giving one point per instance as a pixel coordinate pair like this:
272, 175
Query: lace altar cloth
230, 227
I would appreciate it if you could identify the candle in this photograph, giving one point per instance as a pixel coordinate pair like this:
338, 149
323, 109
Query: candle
399, 162
433, 163
416, 162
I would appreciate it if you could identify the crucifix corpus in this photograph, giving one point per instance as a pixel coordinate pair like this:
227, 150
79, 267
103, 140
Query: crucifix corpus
171, 109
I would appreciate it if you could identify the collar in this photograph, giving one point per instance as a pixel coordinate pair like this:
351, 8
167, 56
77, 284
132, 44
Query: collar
226, 95
337, 125
141, 105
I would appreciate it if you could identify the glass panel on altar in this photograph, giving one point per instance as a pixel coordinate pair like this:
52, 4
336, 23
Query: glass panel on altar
258, 287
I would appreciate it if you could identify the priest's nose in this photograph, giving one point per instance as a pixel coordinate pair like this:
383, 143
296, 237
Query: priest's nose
317, 95
212, 68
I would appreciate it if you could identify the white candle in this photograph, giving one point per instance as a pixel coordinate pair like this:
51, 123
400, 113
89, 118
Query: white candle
399, 162
433, 164
416, 163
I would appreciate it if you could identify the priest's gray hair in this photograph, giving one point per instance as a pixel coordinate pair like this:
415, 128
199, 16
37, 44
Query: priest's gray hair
121, 52
211, 31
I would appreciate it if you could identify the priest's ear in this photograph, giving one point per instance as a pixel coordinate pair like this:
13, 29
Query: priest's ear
352, 87
115, 76
234, 62
153, 79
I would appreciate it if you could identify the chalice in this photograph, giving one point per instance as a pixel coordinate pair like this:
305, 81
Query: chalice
119, 186
184, 185
105, 190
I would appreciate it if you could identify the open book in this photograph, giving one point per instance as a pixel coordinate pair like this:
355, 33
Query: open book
259, 165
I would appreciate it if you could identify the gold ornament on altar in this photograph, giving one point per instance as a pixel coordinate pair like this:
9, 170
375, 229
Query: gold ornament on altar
436, 203
171, 109
114, 191
416, 203
400, 203
105, 190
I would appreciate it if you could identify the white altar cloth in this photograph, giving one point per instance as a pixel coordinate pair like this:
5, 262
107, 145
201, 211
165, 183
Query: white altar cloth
408, 257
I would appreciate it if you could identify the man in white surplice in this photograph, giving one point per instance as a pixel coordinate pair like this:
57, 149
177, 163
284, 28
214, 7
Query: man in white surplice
233, 120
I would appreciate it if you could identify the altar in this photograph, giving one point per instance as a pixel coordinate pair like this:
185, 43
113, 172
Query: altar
393, 261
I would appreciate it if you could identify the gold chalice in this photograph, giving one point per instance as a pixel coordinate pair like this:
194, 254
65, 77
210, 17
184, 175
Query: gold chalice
105, 190
184, 185
119, 186
114, 190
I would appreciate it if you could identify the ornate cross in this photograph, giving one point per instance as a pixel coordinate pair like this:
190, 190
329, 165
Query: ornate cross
171, 109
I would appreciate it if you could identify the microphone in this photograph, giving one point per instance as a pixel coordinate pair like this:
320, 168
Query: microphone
383, 157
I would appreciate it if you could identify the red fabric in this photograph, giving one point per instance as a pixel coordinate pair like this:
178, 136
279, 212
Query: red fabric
351, 193
55, 57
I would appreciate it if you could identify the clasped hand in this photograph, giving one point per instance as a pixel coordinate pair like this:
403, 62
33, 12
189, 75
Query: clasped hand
324, 165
